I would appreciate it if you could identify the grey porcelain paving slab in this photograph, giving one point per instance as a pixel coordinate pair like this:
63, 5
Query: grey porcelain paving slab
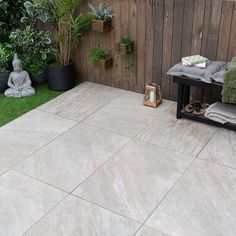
221, 149
3, 169
148, 231
68, 160
82, 101
28, 133
125, 115
23, 201
181, 135
202, 203
77, 217
135, 180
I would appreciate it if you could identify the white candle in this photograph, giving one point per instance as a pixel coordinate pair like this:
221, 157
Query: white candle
152, 96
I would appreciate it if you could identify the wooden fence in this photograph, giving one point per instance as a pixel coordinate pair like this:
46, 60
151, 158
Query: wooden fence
163, 32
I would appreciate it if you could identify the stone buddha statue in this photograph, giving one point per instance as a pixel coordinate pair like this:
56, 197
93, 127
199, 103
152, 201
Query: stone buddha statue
19, 81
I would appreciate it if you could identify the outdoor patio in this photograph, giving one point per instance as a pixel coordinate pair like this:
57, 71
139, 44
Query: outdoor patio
95, 161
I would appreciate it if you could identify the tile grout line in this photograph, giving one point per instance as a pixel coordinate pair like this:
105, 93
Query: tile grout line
107, 209
45, 214
217, 164
172, 187
77, 123
41, 181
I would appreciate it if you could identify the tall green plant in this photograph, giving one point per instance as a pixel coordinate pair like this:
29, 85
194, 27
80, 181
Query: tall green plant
68, 26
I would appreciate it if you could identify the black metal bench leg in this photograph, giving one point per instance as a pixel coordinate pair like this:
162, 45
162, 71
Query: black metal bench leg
186, 94
180, 100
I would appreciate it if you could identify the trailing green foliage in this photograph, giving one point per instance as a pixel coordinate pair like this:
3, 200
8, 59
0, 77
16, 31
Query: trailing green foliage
31, 41
6, 57
129, 51
101, 12
33, 64
96, 54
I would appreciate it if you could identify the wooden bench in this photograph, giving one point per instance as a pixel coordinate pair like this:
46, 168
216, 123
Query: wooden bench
184, 84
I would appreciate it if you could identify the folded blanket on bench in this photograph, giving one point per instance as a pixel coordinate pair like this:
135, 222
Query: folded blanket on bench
229, 87
222, 113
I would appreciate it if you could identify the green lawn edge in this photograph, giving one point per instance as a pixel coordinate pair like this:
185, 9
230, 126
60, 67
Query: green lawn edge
12, 108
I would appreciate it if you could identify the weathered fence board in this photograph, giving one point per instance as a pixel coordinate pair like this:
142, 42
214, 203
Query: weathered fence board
163, 32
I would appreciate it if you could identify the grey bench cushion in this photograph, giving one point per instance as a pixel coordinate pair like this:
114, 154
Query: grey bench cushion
197, 73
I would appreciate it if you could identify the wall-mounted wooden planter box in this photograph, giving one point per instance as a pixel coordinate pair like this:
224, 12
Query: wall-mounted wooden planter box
104, 64
102, 26
123, 48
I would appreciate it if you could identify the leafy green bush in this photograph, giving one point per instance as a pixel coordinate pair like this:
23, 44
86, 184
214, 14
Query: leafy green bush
11, 11
101, 12
33, 64
67, 26
31, 41
6, 56
96, 54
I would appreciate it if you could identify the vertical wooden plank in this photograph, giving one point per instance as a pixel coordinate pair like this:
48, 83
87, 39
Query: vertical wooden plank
187, 27
167, 45
158, 42
141, 45
149, 42
224, 34
133, 21
198, 26
206, 23
232, 44
214, 27
177, 42
116, 37
124, 34
197, 33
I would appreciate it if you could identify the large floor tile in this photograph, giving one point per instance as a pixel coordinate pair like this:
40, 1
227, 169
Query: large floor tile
68, 160
82, 101
28, 133
180, 135
221, 149
125, 115
135, 180
148, 231
3, 169
77, 217
202, 203
23, 201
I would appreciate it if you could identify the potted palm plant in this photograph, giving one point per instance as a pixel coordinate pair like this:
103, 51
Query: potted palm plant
103, 17
67, 29
6, 56
101, 58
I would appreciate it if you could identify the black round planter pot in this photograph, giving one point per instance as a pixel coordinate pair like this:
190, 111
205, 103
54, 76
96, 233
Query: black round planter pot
39, 79
60, 78
3, 81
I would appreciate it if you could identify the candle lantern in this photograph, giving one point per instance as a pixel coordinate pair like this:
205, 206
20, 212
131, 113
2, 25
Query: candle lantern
153, 95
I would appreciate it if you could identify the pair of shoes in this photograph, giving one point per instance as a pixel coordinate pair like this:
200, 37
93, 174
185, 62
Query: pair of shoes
196, 108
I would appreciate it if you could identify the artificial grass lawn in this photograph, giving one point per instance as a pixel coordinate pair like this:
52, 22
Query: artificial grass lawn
11, 108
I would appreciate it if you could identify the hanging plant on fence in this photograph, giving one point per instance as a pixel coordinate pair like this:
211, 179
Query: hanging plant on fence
126, 48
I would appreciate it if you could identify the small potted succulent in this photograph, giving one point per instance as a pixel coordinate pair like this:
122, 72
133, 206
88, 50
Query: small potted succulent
126, 48
6, 56
101, 58
103, 18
